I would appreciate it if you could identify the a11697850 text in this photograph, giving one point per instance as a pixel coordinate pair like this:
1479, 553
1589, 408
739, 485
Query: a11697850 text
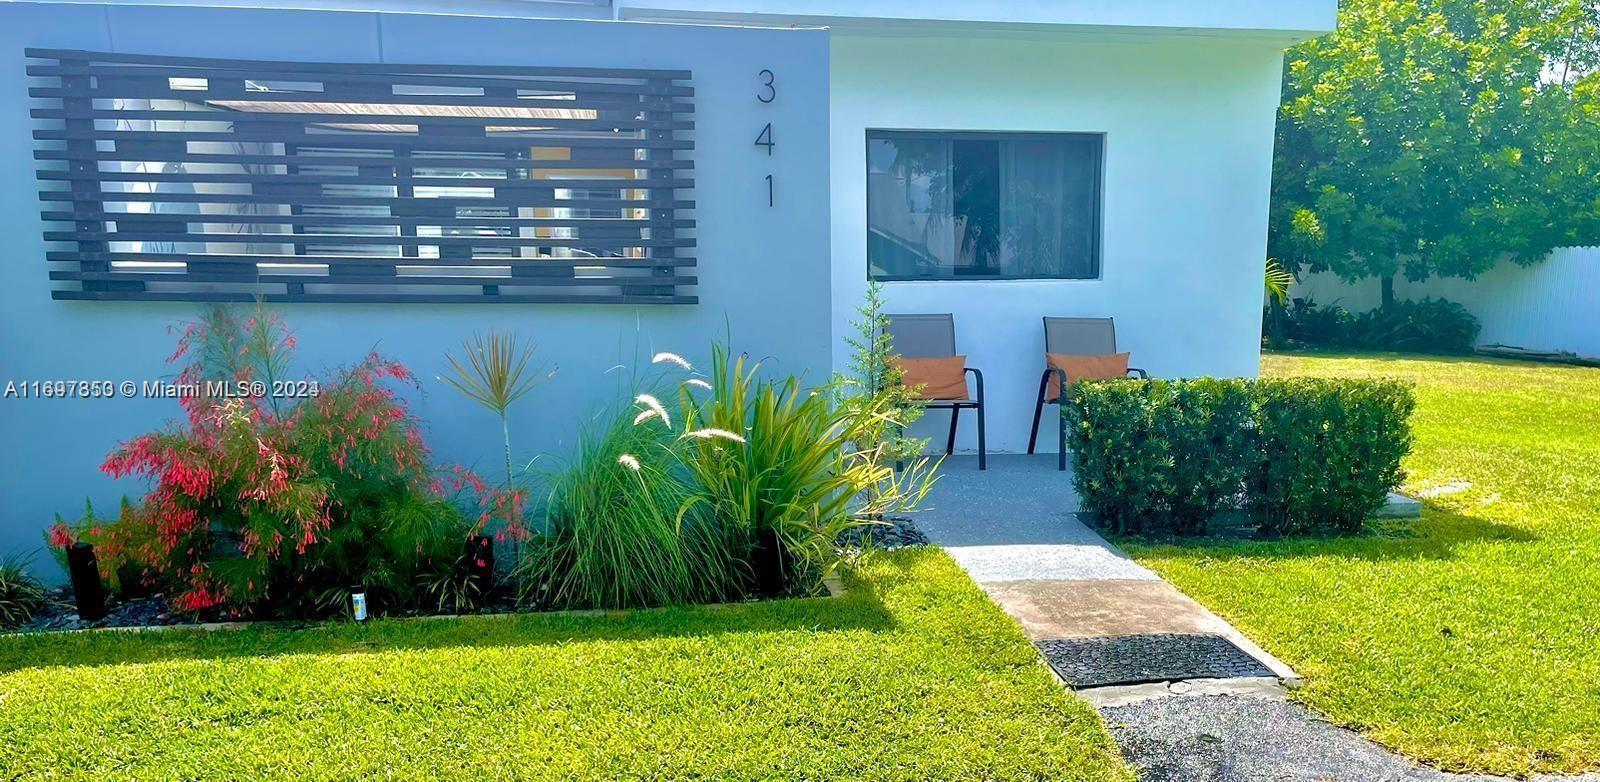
158, 389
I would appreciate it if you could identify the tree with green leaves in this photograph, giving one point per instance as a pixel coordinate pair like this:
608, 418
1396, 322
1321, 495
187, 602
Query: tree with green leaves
1439, 137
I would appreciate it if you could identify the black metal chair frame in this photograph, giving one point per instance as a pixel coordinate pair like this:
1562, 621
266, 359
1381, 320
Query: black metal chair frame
1044, 386
955, 406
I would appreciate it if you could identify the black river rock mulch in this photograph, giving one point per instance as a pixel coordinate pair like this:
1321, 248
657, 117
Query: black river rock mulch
888, 534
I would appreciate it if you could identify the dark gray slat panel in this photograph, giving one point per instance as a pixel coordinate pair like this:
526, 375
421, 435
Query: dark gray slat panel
608, 93
353, 239
361, 83
107, 256
50, 175
360, 140
289, 199
256, 118
466, 80
607, 103
371, 298
606, 224
345, 68
276, 278
496, 164
610, 101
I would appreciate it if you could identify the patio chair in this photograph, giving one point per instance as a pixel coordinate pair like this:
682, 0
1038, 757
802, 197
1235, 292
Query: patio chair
934, 336
1072, 337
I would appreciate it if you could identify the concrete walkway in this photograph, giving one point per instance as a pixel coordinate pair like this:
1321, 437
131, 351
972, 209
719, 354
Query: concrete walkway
1014, 530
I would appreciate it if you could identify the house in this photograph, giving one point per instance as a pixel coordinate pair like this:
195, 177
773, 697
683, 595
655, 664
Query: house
1001, 161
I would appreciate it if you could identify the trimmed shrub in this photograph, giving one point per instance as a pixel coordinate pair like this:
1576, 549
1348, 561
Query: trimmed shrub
1160, 456
1329, 452
1303, 456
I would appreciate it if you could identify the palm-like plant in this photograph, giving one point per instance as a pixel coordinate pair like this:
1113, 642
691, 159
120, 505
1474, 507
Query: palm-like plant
1278, 280
495, 371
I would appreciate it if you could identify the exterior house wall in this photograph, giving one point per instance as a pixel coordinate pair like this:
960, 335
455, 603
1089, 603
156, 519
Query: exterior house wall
762, 271
1188, 130
1551, 305
1184, 93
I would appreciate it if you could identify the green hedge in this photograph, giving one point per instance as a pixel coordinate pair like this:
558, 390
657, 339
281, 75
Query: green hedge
1300, 455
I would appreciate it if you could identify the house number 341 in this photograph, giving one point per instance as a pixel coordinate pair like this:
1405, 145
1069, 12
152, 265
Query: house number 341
766, 95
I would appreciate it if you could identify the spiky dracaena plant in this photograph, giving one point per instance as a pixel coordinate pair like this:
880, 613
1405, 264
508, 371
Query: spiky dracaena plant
495, 372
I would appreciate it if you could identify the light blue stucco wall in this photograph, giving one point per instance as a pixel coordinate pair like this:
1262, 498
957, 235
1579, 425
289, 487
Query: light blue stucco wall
764, 272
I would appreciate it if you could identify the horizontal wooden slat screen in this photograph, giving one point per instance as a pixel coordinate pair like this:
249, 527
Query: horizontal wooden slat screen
187, 179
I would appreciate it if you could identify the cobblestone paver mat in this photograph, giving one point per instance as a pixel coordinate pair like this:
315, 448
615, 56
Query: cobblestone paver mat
1134, 659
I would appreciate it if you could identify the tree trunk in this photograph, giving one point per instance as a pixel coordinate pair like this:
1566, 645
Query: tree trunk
1387, 299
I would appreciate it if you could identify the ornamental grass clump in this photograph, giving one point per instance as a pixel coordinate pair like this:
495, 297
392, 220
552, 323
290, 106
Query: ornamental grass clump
21, 595
797, 477
615, 535
277, 506
734, 485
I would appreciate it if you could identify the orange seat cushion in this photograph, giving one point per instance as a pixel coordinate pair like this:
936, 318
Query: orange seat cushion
1083, 368
940, 378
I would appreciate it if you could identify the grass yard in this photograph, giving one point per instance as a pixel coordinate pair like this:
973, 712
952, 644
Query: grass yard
913, 675
1469, 639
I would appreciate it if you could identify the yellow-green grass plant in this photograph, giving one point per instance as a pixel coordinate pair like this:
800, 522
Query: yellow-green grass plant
792, 471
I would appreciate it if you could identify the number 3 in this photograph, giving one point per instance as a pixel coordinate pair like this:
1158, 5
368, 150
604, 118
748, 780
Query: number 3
772, 91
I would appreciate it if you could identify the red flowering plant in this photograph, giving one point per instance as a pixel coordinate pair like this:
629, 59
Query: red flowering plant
498, 511
279, 505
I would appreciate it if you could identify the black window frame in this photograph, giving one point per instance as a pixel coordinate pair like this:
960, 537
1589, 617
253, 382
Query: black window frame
1097, 254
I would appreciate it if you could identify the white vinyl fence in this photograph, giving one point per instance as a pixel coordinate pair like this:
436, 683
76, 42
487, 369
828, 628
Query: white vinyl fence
1552, 305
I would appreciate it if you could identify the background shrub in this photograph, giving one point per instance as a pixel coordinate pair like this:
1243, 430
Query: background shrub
1165, 456
1426, 326
1329, 452
1159, 457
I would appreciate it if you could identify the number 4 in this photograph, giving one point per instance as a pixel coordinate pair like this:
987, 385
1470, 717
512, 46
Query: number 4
765, 139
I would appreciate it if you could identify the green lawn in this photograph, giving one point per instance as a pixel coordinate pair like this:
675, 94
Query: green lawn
1471, 638
912, 675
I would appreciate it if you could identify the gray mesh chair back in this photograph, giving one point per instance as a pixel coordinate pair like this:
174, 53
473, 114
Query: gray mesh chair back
923, 336
934, 336
1080, 336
